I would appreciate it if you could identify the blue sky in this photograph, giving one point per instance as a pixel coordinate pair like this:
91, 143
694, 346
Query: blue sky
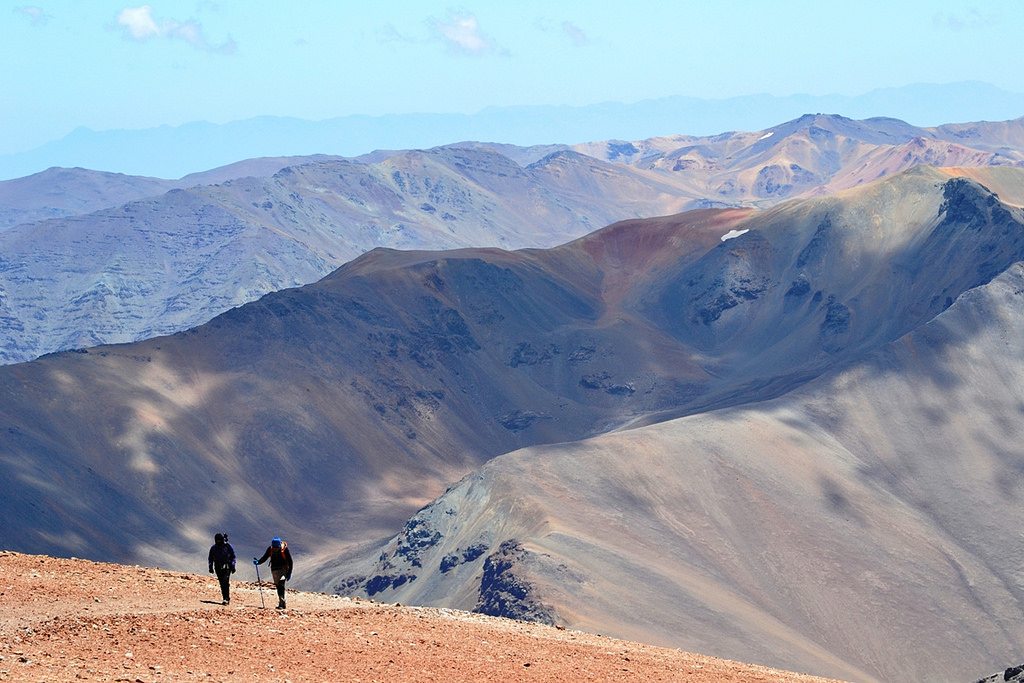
108, 64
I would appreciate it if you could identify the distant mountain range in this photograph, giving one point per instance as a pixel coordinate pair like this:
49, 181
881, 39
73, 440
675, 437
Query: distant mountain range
174, 151
167, 263
788, 435
147, 261
62, 192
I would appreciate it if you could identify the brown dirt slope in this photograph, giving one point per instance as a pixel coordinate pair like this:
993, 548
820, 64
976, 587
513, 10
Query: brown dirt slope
75, 619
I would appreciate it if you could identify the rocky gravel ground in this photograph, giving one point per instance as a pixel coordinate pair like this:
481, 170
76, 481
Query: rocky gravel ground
69, 619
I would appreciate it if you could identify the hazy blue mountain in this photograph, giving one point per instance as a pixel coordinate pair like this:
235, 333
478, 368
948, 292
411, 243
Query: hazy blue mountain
169, 262
173, 151
59, 192
62, 192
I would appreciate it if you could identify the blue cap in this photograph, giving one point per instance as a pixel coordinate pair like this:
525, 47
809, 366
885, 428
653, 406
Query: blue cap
276, 542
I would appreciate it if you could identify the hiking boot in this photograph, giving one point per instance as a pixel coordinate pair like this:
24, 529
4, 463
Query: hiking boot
280, 604
226, 601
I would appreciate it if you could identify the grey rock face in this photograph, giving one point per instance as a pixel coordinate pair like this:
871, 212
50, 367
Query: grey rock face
1012, 674
504, 592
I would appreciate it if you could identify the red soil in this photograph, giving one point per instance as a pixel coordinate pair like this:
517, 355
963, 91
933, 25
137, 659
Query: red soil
74, 619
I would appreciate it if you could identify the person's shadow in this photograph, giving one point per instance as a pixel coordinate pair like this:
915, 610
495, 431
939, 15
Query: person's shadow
210, 602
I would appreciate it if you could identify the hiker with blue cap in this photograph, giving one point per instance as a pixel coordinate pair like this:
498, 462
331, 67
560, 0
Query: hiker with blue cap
280, 566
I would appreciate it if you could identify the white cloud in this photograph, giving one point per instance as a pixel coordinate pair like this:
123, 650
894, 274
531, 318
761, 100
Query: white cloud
461, 33
36, 15
139, 24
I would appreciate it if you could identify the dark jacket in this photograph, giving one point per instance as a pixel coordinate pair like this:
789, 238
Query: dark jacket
222, 556
281, 559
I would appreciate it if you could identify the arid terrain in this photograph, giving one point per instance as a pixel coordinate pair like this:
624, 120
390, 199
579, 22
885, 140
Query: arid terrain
335, 411
533, 342
81, 620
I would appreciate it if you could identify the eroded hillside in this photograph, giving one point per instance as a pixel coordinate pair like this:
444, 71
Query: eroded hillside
867, 516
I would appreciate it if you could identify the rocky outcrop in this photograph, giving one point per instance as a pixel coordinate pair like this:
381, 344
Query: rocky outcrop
462, 556
1013, 674
504, 592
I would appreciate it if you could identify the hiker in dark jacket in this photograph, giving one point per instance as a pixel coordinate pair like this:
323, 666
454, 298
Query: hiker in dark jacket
280, 566
222, 562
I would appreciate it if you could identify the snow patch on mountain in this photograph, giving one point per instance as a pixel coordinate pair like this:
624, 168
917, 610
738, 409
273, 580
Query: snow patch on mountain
733, 234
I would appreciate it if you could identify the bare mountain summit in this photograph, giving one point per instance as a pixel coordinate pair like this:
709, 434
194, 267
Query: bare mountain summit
813, 155
863, 526
843, 518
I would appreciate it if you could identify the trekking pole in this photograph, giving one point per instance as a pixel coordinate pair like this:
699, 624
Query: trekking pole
260, 584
